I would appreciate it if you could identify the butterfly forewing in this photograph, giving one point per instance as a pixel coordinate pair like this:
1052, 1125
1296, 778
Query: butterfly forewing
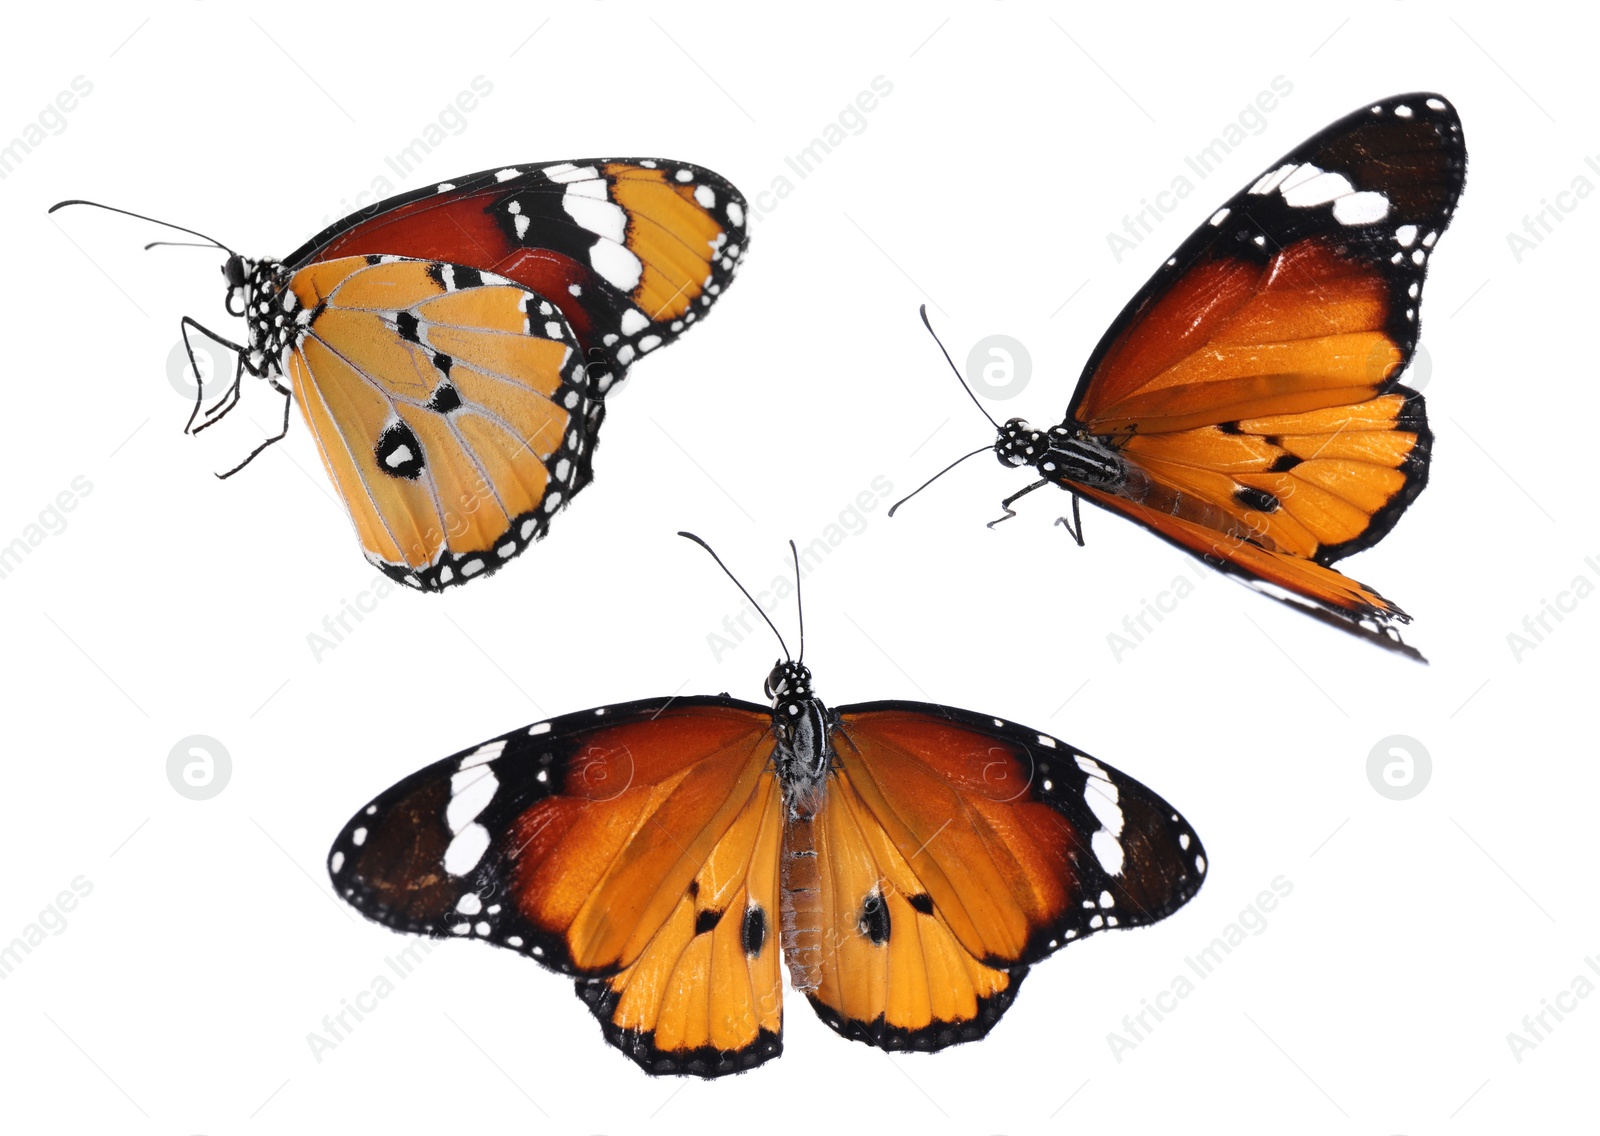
633, 847
633, 250
1252, 383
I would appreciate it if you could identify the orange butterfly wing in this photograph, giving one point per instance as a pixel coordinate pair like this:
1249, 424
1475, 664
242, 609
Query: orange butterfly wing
955, 851
1252, 383
634, 848
447, 405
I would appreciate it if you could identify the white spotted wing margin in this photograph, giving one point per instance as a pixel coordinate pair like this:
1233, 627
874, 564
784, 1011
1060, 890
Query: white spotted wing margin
1135, 859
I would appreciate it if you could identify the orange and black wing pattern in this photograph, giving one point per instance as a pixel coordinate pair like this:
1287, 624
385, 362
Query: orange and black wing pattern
1252, 385
634, 848
955, 850
634, 251
448, 406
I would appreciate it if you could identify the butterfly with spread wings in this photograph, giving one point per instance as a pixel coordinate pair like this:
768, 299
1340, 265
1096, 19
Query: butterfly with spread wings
1246, 403
451, 348
909, 862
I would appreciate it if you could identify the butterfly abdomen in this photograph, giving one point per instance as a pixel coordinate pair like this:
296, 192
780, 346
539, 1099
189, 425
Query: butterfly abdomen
801, 902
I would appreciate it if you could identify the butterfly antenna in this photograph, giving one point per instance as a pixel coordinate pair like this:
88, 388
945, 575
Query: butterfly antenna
741, 587
937, 476
800, 608
959, 378
177, 244
129, 213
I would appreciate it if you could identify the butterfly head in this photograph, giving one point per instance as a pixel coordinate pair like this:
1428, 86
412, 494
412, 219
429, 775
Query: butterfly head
1021, 443
258, 292
789, 683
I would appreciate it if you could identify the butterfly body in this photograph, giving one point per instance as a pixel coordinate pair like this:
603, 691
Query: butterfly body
907, 862
1246, 405
1060, 455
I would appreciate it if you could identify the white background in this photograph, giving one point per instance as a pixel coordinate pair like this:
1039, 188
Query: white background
179, 995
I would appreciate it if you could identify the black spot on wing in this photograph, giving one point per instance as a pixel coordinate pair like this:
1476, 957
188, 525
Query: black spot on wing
1257, 499
706, 920
445, 399
1285, 462
399, 453
755, 930
874, 921
406, 324
922, 903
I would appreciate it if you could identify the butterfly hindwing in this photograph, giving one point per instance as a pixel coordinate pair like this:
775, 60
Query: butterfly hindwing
448, 406
1263, 358
957, 850
632, 847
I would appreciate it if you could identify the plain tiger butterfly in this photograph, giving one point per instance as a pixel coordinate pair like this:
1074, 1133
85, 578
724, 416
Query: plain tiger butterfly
1246, 404
908, 861
451, 348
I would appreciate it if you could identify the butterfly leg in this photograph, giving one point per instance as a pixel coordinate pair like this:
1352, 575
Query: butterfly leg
199, 383
1006, 504
1075, 529
288, 401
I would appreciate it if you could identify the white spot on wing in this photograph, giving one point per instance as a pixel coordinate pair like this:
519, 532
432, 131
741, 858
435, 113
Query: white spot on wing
599, 217
1361, 208
466, 849
471, 790
1108, 850
488, 751
1269, 181
617, 264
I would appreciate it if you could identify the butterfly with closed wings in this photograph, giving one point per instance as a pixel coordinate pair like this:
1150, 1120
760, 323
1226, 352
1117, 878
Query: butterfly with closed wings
909, 862
1246, 404
451, 348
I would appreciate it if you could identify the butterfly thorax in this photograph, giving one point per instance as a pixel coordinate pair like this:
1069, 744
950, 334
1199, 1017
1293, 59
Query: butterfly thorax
259, 290
1060, 454
803, 754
